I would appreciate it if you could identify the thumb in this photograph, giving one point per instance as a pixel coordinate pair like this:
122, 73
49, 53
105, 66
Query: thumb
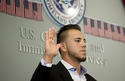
58, 46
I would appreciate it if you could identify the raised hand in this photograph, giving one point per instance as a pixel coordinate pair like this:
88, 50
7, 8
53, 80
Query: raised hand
51, 49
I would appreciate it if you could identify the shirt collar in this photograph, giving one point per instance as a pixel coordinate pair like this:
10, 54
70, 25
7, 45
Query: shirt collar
71, 68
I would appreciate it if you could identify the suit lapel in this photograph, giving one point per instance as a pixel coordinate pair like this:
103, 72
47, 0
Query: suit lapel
89, 77
64, 72
65, 75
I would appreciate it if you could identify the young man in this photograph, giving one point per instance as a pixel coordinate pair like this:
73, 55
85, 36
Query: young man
72, 46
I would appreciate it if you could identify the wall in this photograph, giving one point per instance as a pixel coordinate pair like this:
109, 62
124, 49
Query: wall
111, 11
106, 64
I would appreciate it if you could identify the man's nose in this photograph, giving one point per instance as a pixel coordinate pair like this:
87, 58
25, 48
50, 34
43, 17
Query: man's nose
83, 44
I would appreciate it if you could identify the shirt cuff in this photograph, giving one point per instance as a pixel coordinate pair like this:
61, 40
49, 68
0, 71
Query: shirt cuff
43, 62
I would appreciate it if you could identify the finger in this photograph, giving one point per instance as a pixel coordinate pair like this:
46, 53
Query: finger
50, 33
53, 33
47, 39
47, 35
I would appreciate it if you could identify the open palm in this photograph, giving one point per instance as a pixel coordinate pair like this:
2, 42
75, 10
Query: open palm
51, 49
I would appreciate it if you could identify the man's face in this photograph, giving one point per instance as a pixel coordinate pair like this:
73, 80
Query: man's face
76, 45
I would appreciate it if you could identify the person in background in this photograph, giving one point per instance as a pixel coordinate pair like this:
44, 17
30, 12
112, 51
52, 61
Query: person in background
71, 44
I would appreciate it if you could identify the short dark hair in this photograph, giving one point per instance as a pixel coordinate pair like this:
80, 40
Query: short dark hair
60, 36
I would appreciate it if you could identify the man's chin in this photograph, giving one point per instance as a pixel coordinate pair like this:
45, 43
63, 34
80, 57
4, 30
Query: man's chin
82, 59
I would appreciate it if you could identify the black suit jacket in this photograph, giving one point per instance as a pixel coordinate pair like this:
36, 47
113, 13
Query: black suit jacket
55, 73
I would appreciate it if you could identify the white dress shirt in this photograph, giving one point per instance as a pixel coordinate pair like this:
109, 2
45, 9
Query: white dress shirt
72, 70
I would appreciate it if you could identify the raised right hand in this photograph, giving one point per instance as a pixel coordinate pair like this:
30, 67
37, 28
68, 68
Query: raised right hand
51, 49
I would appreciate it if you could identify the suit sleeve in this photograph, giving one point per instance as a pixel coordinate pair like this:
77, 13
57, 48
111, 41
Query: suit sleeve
41, 73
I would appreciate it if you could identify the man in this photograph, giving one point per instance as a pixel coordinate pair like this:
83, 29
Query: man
72, 46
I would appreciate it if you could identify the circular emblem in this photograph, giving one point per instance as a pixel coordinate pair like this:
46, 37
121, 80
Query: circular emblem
65, 12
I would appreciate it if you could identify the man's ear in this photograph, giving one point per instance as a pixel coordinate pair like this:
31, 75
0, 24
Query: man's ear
63, 46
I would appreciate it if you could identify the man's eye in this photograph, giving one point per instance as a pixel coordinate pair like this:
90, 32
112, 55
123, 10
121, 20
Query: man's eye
77, 40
